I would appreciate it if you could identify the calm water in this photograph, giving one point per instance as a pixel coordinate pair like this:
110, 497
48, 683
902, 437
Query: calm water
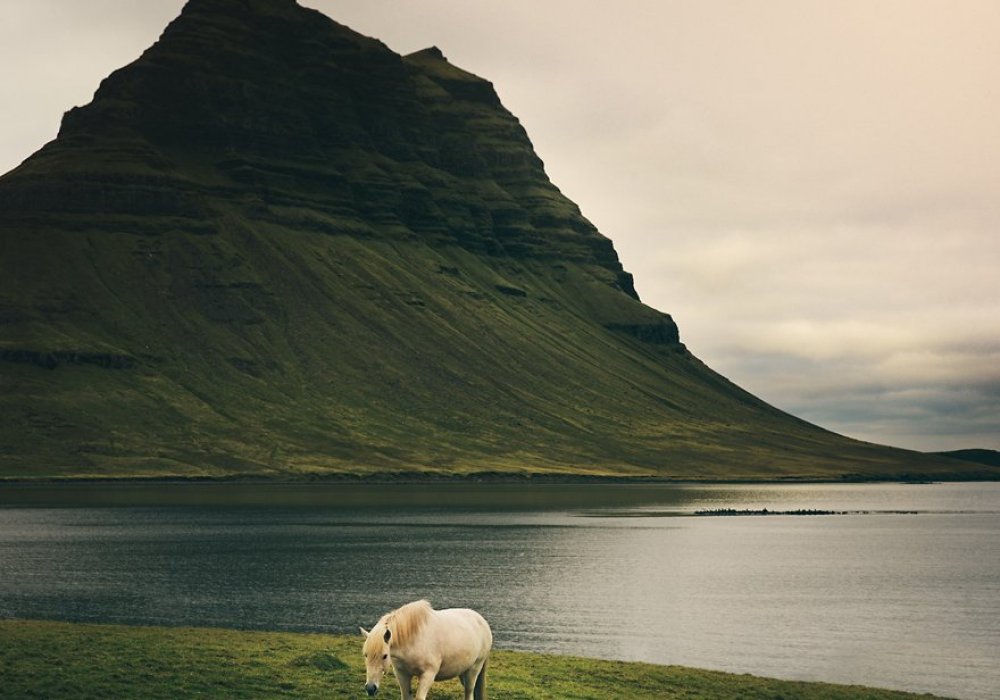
902, 593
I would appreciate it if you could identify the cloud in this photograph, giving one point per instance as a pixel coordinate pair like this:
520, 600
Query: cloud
812, 189
54, 54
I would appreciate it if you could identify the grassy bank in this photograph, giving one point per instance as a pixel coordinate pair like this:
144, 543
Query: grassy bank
61, 660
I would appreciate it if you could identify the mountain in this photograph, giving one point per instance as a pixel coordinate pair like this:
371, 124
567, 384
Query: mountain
271, 246
978, 456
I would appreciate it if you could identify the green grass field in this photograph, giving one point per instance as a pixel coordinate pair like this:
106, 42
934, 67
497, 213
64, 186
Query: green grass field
60, 660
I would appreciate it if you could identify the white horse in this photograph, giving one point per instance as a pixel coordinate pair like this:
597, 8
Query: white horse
430, 645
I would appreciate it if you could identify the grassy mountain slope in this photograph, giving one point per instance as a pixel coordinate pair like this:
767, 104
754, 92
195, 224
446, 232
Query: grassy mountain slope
272, 246
977, 456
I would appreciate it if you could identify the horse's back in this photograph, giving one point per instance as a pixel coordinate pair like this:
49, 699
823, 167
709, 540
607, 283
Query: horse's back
463, 638
468, 623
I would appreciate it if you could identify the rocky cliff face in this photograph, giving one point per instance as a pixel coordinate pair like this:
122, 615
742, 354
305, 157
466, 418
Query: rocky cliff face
271, 245
286, 110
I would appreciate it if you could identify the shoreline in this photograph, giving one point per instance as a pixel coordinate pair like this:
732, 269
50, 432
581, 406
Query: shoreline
215, 662
479, 478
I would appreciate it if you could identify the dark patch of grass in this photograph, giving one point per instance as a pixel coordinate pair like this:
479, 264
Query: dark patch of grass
55, 660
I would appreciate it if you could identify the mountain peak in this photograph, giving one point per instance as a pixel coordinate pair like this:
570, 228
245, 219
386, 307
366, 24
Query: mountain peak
250, 12
238, 91
263, 7
432, 52
271, 245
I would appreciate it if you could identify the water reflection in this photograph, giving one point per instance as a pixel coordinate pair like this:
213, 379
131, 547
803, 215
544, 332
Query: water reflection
408, 498
605, 499
906, 601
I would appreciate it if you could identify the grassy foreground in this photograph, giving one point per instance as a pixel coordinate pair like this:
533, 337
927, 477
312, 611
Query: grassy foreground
62, 660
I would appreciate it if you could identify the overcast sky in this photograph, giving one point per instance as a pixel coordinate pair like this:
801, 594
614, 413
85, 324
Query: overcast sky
811, 188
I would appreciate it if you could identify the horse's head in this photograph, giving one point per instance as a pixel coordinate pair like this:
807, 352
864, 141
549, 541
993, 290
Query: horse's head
376, 653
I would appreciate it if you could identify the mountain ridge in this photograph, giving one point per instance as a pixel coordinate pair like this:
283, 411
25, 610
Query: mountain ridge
272, 246
975, 455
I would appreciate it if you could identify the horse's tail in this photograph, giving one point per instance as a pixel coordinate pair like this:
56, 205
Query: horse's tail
480, 691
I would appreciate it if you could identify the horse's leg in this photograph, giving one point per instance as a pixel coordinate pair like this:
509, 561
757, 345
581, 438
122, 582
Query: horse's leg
424, 686
405, 684
468, 679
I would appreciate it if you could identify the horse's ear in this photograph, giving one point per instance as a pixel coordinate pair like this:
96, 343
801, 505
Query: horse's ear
387, 635
364, 632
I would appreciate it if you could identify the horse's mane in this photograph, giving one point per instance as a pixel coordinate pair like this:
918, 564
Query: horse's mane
403, 622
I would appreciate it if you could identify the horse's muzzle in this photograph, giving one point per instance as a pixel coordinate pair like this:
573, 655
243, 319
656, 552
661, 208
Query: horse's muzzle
371, 689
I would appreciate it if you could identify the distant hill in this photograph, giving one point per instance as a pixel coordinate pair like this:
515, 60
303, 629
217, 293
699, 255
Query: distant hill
988, 457
271, 246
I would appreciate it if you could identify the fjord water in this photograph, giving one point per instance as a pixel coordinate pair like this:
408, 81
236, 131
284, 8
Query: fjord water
900, 591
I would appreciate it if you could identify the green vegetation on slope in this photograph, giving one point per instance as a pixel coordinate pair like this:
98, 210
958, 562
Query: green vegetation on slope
977, 456
58, 660
273, 247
